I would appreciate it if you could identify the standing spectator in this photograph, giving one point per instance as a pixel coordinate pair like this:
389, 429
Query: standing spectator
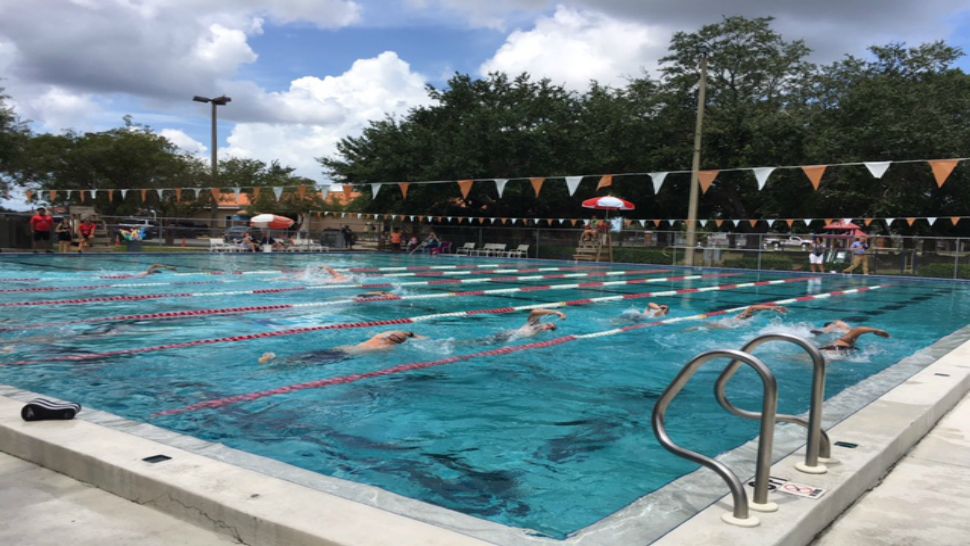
86, 234
396, 239
816, 257
859, 257
348, 236
64, 233
41, 225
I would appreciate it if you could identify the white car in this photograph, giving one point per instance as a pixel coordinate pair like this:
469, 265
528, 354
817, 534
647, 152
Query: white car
792, 242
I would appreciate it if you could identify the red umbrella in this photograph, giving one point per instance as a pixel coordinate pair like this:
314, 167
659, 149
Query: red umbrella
271, 221
608, 203
845, 226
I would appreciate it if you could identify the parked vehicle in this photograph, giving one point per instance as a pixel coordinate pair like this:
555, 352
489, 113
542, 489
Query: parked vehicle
791, 242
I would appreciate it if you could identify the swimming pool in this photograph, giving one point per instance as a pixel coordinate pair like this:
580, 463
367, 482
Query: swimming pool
551, 438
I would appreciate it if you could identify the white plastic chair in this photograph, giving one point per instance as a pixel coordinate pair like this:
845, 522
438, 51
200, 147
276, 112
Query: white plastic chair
521, 252
466, 249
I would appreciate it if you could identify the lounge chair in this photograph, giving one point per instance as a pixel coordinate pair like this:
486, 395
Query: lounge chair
466, 249
218, 245
521, 252
491, 249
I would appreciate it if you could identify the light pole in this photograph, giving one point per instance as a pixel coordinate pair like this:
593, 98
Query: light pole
695, 166
218, 101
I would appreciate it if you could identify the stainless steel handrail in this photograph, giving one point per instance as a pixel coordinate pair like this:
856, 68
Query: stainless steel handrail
768, 409
818, 443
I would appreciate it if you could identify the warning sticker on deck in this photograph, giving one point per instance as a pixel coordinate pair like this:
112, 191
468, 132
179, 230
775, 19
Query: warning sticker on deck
782, 485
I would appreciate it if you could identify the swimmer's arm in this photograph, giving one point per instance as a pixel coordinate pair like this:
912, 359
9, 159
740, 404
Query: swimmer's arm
853, 335
536, 314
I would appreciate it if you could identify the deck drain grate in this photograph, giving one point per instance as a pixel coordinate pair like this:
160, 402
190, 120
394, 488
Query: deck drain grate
157, 459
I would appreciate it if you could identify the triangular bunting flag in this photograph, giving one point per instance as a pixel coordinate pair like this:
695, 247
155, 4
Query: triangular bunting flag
573, 222
514, 220
955, 220
465, 186
81, 194
656, 223
761, 174
537, 185
325, 194
178, 195
889, 221
94, 194
257, 191
808, 221
606, 181
706, 178
449, 218
427, 218
562, 221
828, 221
718, 222
123, 193
877, 168
703, 223
69, 192
500, 185
374, 188
931, 220
643, 223
790, 222
111, 196
144, 195
753, 222
404, 189
942, 169
197, 192
910, 221
492, 220
814, 174
277, 192
572, 182
867, 221
161, 194
53, 194
658, 180
735, 222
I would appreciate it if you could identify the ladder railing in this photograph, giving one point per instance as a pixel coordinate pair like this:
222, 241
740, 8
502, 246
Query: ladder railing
818, 444
739, 515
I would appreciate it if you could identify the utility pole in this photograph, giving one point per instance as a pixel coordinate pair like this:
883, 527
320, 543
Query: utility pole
218, 101
695, 166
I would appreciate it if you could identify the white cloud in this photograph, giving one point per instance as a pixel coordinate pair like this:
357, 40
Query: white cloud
315, 113
574, 47
185, 143
224, 46
58, 109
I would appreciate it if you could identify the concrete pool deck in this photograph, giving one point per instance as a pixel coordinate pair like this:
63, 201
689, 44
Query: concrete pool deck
255, 508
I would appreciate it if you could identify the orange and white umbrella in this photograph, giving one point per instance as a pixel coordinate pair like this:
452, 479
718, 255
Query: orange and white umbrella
271, 221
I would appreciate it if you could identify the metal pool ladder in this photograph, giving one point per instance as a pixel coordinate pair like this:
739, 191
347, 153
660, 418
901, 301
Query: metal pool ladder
740, 515
818, 446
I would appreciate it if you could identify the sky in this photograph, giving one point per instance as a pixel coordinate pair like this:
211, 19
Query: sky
302, 74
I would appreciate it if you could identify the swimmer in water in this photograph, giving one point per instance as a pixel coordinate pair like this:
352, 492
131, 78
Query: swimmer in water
384, 341
652, 310
377, 294
534, 325
834, 326
157, 268
743, 317
847, 343
335, 276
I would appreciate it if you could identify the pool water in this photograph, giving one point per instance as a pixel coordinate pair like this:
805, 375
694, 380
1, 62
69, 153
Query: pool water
550, 439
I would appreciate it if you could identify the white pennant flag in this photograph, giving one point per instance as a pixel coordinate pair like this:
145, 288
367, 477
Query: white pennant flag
500, 185
324, 194
572, 182
643, 223
807, 221
514, 220
931, 220
197, 192
703, 223
427, 218
889, 221
449, 218
123, 193
94, 193
161, 191
877, 168
278, 192
562, 221
235, 190
374, 188
658, 180
69, 192
411, 217
761, 174
492, 219
736, 222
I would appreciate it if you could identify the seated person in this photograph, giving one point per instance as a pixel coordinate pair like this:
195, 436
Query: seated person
247, 243
589, 234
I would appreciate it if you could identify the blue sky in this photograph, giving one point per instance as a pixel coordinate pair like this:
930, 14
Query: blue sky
304, 74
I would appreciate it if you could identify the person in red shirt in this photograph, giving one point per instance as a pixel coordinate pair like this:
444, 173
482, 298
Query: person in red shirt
41, 225
86, 232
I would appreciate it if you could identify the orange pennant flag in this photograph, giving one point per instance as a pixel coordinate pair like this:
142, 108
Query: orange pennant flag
954, 220
706, 178
867, 221
30, 196
790, 222
82, 195
606, 181
828, 221
215, 194
465, 186
911, 221
404, 189
573, 221
814, 174
481, 220
144, 195
656, 223
537, 185
178, 195
53, 195
505, 220
942, 169
111, 196
718, 222
257, 191
753, 222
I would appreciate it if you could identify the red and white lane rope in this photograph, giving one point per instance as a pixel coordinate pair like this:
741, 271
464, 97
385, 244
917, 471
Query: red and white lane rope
392, 322
263, 291
230, 400
37, 289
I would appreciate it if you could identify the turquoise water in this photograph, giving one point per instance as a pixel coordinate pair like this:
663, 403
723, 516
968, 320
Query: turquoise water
551, 439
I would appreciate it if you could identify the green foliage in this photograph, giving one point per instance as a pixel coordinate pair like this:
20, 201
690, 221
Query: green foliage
767, 105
